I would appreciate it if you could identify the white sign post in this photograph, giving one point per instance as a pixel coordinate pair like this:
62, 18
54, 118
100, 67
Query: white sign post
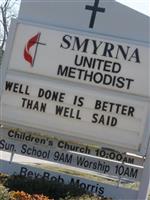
76, 71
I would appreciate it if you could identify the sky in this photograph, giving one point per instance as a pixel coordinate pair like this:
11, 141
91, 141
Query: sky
142, 6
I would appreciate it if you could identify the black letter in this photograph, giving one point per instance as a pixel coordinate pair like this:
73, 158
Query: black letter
108, 49
67, 42
8, 85
77, 43
135, 55
41, 92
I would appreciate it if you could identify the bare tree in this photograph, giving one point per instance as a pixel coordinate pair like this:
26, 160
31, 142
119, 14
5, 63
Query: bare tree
8, 9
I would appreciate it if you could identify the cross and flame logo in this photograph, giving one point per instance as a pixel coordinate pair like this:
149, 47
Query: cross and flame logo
33, 41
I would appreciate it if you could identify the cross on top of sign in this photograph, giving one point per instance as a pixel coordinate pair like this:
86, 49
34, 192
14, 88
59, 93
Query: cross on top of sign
94, 10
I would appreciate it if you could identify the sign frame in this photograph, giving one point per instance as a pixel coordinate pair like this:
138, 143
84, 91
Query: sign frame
142, 150
62, 73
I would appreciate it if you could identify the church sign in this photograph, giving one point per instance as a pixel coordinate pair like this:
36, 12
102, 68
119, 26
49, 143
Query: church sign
51, 106
80, 57
77, 73
92, 61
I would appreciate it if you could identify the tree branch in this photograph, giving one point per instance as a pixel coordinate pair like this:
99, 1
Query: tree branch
6, 13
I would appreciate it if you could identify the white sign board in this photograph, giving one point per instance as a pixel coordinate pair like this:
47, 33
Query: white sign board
80, 57
98, 188
103, 166
20, 137
51, 106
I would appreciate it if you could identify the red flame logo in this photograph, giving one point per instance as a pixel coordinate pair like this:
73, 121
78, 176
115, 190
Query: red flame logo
31, 42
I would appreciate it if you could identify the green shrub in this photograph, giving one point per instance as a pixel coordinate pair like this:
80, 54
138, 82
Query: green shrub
84, 197
87, 197
3, 178
4, 194
51, 189
41, 186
